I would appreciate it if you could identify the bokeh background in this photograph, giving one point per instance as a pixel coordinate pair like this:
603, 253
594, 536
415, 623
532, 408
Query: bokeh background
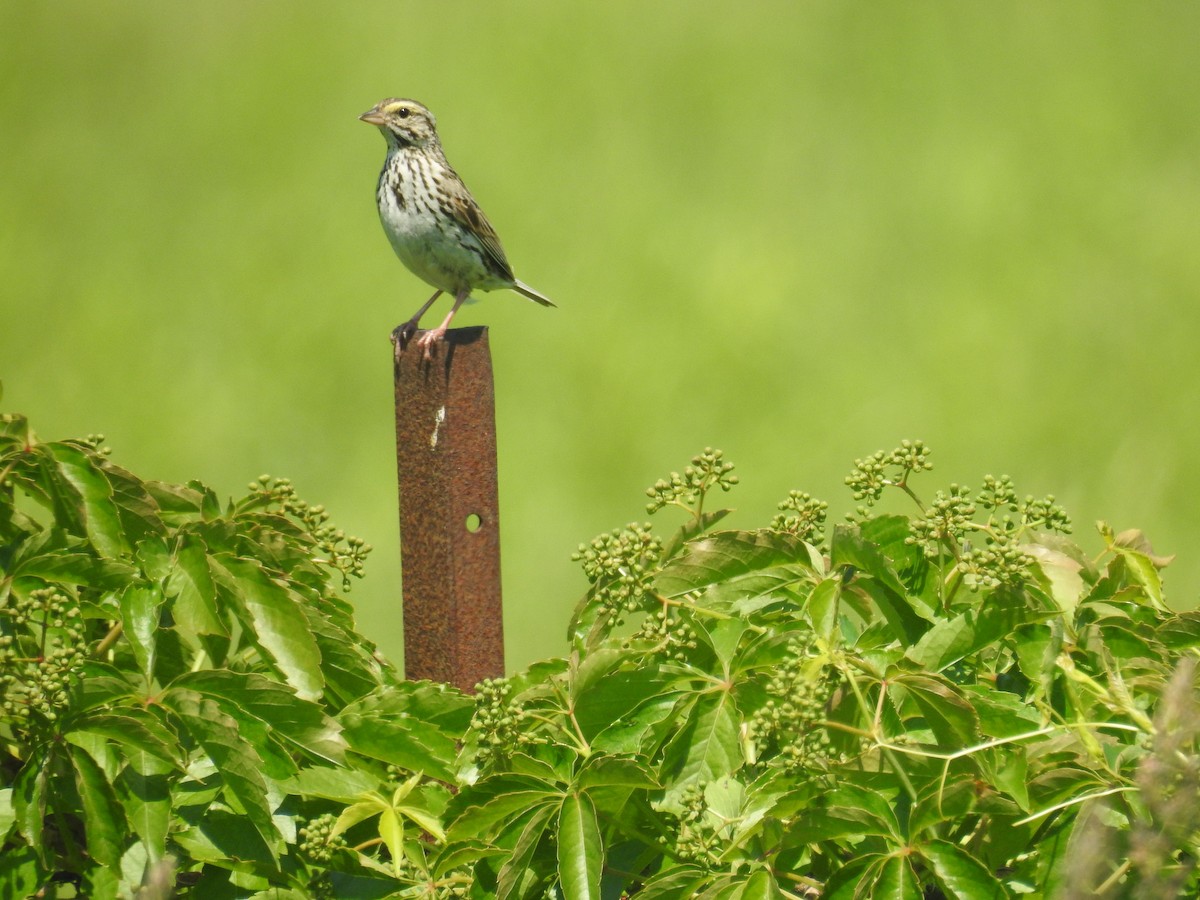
796, 231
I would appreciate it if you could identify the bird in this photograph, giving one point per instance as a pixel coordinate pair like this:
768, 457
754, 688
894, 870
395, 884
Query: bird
432, 221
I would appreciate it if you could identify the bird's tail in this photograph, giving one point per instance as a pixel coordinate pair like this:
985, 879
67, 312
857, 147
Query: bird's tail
526, 291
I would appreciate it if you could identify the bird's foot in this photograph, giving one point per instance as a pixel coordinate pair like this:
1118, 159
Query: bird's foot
402, 334
429, 339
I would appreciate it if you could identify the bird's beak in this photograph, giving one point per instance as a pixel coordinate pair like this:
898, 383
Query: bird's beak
372, 117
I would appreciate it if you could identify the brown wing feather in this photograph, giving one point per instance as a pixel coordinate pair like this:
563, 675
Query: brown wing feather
463, 209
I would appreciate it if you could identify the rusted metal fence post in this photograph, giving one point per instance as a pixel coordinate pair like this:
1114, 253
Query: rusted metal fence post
449, 512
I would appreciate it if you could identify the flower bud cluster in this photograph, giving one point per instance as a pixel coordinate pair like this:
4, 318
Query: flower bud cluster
873, 474
788, 725
345, 553
621, 565
945, 523
499, 721
802, 516
318, 842
696, 838
42, 648
675, 636
1045, 514
999, 561
708, 470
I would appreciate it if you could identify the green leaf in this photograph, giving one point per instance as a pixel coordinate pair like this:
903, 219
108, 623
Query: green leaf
29, 798
497, 800
1012, 775
137, 729
144, 791
949, 641
191, 588
1000, 713
1181, 631
598, 666
632, 732
8, 815
960, 875
88, 492
822, 607
673, 883
848, 547
103, 818
951, 717
225, 839
373, 805
610, 771
707, 745
856, 880
1037, 647
326, 783
530, 836
140, 607
278, 626
21, 874
727, 556
235, 758
761, 885
692, 528
462, 854
391, 832
848, 811
54, 556
392, 727
896, 880
300, 722
140, 521
580, 853
1063, 573
348, 662
1145, 573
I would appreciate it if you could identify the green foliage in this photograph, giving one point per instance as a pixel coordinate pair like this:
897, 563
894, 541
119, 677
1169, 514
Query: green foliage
959, 703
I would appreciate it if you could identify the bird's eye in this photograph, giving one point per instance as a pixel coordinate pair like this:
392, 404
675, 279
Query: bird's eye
403, 112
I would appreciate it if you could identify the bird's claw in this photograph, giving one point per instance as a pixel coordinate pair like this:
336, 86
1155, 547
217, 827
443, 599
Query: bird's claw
402, 334
429, 340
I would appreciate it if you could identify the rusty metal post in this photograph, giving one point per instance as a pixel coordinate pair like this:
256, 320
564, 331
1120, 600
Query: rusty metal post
449, 512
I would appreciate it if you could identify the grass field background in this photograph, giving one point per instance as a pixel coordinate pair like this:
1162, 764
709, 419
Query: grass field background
798, 232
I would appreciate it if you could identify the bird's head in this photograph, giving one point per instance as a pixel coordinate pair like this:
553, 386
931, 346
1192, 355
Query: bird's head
404, 123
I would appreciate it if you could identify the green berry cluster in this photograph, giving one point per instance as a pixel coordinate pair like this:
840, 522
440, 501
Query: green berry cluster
675, 637
999, 494
708, 470
498, 720
999, 561
945, 523
1045, 514
318, 841
787, 726
802, 516
621, 565
345, 553
42, 647
96, 443
881, 469
696, 838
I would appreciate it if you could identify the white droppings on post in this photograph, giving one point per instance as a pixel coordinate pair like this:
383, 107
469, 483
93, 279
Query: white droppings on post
437, 424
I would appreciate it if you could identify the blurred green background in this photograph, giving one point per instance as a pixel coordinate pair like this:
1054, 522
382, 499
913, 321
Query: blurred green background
797, 231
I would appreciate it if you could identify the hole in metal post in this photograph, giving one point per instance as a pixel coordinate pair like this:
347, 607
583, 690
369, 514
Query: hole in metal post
474, 523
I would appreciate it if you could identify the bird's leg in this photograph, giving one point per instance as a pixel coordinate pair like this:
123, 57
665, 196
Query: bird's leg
429, 338
401, 334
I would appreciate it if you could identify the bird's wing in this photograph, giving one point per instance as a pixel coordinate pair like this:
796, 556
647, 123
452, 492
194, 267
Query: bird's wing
464, 210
